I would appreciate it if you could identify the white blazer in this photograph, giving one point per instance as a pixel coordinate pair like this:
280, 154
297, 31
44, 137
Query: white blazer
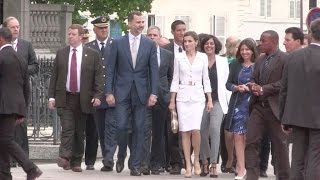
223, 73
195, 73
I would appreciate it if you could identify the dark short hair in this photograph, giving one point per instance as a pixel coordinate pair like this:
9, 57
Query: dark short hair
132, 14
175, 23
274, 35
6, 34
296, 32
251, 44
7, 20
315, 29
77, 26
217, 43
193, 34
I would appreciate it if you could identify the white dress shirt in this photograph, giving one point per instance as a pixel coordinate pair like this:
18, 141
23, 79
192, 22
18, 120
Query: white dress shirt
79, 61
4, 46
15, 44
158, 56
99, 43
176, 48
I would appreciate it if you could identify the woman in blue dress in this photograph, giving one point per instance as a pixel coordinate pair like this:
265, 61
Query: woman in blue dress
238, 113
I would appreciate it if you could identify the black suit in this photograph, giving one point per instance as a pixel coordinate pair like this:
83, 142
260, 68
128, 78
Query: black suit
299, 108
25, 49
14, 95
103, 122
157, 115
174, 154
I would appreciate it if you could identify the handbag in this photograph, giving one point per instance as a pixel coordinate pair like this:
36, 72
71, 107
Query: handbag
174, 122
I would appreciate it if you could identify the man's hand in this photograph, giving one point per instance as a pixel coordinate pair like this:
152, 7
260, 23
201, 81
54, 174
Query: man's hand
110, 100
172, 106
152, 100
95, 102
19, 120
285, 129
52, 104
256, 89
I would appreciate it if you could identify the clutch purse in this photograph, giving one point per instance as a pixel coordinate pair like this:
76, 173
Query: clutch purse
174, 122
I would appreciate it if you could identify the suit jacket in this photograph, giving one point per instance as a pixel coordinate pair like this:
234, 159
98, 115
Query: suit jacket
14, 83
272, 88
120, 72
91, 85
170, 47
165, 76
104, 58
185, 72
25, 49
299, 94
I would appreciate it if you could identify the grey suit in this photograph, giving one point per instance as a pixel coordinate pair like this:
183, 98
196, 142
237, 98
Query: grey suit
156, 116
104, 119
130, 88
25, 49
299, 109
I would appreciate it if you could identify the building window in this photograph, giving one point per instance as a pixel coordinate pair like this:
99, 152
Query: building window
149, 20
295, 9
218, 28
265, 8
185, 19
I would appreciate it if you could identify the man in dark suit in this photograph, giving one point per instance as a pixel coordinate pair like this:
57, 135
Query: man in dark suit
299, 107
104, 115
14, 96
131, 68
157, 115
25, 49
264, 108
75, 87
174, 155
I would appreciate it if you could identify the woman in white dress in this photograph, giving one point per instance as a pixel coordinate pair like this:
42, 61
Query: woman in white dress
189, 85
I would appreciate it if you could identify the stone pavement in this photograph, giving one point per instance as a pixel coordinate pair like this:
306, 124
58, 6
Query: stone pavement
52, 172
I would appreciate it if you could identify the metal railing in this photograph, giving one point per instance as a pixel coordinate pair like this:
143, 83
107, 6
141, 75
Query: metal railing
43, 124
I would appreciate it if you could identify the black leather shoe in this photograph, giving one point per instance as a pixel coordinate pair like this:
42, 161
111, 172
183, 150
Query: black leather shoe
135, 172
223, 169
90, 167
119, 166
175, 170
145, 171
263, 174
106, 169
34, 173
155, 171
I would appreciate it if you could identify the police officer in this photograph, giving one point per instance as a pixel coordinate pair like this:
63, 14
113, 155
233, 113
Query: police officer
86, 36
104, 118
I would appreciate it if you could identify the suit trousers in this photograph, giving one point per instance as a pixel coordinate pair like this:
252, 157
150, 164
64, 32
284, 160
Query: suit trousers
8, 147
305, 162
261, 120
21, 136
155, 137
107, 125
138, 110
73, 123
265, 151
91, 141
210, 127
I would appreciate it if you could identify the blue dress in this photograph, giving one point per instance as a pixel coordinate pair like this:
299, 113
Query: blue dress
241, 110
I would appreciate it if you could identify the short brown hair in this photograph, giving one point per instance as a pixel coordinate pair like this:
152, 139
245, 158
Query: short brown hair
77, 26
131, 15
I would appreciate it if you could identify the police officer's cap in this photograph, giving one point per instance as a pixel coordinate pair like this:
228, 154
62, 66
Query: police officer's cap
102, 21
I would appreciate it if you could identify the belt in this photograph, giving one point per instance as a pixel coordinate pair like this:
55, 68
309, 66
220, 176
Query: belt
264, 103
73, 93
189, 83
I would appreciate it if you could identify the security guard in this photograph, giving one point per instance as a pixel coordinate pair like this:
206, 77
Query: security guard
104, 116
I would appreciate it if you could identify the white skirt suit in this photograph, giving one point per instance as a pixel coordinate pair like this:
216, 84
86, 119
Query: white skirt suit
190, 82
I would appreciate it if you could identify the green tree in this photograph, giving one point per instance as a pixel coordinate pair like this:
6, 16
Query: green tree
103, 8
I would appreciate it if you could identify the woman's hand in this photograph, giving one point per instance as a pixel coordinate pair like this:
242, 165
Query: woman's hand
172, 106
209, 106
242, 88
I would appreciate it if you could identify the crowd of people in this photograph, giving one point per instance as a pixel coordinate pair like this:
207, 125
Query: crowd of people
122, 92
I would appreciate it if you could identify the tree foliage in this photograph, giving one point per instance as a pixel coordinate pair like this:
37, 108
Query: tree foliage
103, 8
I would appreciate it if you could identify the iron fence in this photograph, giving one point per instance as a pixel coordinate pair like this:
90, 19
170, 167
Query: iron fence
43, 123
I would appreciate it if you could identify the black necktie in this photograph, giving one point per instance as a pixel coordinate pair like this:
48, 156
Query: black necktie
102, 47
265, 70
180, 49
